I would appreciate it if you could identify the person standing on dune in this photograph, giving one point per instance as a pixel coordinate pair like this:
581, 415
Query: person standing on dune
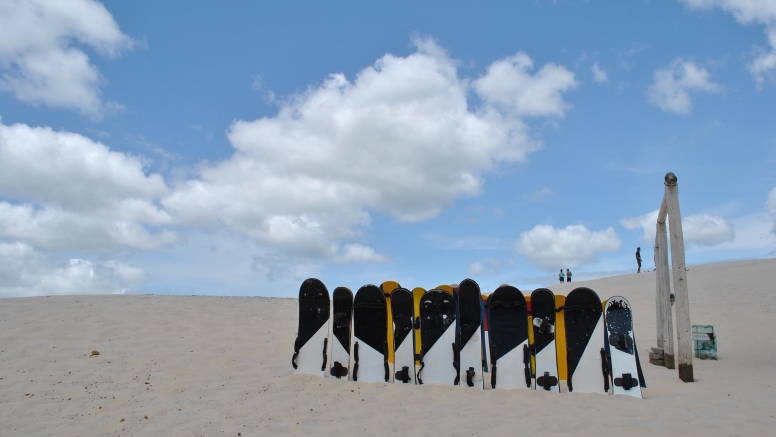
638, 259
568, 275
560, 276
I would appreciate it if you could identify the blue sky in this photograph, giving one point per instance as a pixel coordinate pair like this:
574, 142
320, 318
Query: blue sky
237, 148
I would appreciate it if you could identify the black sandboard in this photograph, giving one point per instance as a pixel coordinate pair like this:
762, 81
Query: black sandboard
470, 333
508, 335
583, 314
621, 347
437, 331
314, 307
543, 325
342, 301
370, 344
404, 352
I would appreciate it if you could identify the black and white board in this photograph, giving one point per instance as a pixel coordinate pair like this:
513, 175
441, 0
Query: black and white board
622, 347
470, 333
370, 340
312, 338
510, 357
587, 368
437, 331
342, 323
543, 325
404, 349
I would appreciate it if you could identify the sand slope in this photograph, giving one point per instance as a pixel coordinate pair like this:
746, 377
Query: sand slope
221, 366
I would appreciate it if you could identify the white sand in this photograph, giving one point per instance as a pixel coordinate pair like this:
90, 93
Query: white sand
221, 366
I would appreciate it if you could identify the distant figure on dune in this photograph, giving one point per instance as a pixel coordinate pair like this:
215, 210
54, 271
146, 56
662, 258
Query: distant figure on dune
560, 276
638, 259
568, 275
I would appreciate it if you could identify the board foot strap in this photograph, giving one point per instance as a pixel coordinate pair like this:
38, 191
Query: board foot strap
527, 363
385, 361
493, 366
621, 341
296, 353
355, 362
325, 358
470, 377
338, 370
457, 365
627, 381
422, 365
546, 381
605, 369
403, 375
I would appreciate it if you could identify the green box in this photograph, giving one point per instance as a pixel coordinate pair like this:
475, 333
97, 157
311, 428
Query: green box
704, 342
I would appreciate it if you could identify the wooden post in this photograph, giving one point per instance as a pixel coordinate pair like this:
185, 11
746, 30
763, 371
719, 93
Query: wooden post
683, 326
665, 331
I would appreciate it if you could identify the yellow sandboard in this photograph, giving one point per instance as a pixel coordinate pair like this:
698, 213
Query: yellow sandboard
560, 341
417, 295
447, 288
531, 333
387, 287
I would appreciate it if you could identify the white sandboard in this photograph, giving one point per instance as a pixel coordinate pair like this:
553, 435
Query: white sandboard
438, 362
588, 376
471, 358
622, 359
312, 355
511, 369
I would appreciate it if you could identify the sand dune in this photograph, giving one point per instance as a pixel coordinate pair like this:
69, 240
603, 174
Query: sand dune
205, 366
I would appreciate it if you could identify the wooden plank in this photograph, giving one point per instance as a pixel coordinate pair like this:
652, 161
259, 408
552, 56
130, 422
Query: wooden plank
663, 295
679, 271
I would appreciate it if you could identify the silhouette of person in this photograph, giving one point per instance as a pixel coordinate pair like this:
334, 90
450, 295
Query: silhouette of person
638, 259
560, 276
568, 275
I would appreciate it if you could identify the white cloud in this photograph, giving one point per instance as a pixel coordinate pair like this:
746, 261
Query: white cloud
39, 54
549, 248
358, 253
599, 75
492, 265
400, 138
476, 268
698, 229
69, 192
770, 205
748, 12
538, 196
27, 272
672, 86
509, 85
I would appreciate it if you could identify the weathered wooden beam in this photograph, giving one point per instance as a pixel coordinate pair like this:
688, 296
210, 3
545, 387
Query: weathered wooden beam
679, 271
665, 331
662, 212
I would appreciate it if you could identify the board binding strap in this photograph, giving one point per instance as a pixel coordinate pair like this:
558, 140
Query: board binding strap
311, 344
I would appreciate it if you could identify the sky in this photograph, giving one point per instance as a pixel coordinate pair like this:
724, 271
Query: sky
237, 148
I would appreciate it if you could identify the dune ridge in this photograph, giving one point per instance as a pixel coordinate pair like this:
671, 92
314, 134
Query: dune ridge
201, 365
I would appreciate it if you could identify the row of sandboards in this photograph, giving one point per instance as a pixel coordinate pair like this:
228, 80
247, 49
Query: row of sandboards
458, 336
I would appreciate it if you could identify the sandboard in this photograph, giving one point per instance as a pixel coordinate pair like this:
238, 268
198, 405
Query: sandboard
370, 342
543, 322
560, 342
342, 323
470, 334
417, 295
312, 338
510, 358
622, 347
587, 369
404, 349
387, 288
485, 344
437, 330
